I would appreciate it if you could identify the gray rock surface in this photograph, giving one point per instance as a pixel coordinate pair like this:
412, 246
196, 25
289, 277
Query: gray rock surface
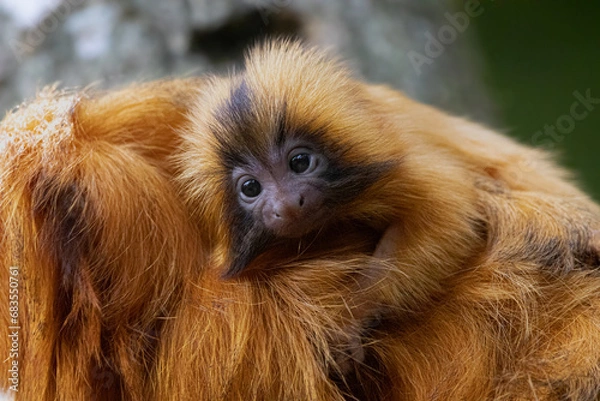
423, 47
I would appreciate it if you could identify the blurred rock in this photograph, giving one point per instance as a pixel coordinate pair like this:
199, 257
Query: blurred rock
423, 47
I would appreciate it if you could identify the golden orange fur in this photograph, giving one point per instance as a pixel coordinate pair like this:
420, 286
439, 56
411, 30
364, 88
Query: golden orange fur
468, 271
101, 242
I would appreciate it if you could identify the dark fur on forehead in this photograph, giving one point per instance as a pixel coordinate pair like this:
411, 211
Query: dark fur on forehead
245, 131
237, 110
234, 120
240, 141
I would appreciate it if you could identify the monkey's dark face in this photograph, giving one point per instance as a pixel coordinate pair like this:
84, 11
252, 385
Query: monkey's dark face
289, 154
287, 194
290, 187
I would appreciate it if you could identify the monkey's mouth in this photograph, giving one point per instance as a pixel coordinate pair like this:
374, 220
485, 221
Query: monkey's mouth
258, 239
299, 227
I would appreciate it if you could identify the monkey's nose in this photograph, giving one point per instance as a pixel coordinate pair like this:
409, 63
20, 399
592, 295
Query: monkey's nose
286, 211
288, 216
282, 217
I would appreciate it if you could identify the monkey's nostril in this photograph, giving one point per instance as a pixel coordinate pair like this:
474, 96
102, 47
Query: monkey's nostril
302, 201
277, 215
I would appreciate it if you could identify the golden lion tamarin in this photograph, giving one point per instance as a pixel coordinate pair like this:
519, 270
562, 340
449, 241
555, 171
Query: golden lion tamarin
95, 247
494, 290
428, 254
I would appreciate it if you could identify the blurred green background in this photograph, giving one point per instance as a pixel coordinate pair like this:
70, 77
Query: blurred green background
536, 54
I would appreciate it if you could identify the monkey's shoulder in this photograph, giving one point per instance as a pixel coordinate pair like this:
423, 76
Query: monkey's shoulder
558, 233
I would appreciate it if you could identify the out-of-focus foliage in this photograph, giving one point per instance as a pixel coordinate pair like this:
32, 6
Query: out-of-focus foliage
541, 58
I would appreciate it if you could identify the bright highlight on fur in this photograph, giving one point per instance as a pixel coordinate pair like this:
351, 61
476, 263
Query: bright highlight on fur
290, 233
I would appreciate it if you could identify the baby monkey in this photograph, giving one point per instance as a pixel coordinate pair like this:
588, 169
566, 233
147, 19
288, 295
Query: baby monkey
293, 152
279, 172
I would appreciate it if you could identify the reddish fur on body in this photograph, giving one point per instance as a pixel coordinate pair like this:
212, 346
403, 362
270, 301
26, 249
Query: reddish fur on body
101, 242
493, 294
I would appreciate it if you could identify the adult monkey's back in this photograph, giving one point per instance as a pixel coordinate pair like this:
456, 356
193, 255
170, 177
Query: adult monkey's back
96, 239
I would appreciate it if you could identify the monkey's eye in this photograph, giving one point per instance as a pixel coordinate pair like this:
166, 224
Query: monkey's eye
300, 163
251, 188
